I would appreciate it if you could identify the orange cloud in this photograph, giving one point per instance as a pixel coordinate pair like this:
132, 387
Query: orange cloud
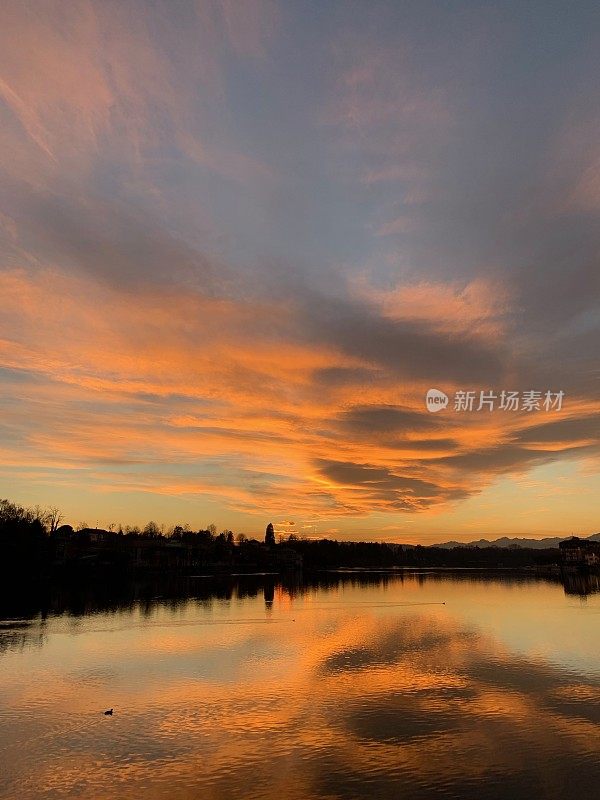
157, 377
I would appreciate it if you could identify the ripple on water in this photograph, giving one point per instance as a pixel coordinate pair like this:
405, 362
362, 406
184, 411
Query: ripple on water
376, 699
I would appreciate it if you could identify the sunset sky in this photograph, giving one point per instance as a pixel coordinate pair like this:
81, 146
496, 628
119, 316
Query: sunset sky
241, 239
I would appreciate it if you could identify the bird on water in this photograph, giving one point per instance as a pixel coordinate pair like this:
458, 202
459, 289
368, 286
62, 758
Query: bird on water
108, 713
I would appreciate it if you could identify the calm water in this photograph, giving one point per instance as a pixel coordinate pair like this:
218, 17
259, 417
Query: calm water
349, 689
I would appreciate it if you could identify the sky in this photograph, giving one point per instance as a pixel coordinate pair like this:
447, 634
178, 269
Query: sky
240, 241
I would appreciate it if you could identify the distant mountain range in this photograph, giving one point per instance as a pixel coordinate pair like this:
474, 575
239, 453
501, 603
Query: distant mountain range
505, 541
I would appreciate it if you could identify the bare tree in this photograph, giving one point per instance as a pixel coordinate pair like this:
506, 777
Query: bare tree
53, 518
132, 530
152, 529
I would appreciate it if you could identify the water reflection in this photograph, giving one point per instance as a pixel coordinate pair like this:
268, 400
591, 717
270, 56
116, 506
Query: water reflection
581, 583
92, 597
343, 687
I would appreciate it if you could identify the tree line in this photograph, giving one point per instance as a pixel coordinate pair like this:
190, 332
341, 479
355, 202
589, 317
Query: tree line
32, 540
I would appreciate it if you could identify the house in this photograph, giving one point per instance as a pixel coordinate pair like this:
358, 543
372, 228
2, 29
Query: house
93, 535
576, 552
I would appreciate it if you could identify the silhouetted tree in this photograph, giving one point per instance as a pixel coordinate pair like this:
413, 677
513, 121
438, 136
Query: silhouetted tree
132, 530
270, 535
152, 530
23, 539
52, 519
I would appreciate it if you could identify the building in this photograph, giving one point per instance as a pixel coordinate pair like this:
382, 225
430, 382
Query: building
576, 552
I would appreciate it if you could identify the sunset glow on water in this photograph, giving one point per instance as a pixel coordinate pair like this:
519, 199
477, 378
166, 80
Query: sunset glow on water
354, 689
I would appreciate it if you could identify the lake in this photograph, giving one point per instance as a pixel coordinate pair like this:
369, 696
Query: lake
415, 685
